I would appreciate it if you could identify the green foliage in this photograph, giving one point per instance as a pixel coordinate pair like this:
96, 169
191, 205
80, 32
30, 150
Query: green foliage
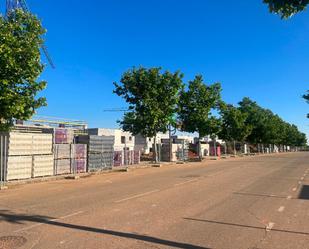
306, 97
255, 119
286, 8
234, 125
152, 97
20, 67
268, 128
195, 107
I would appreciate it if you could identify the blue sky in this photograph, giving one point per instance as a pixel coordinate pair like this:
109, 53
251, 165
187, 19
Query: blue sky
238, 43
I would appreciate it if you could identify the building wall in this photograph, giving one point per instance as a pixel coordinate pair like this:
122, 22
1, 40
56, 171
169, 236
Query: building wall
145, 144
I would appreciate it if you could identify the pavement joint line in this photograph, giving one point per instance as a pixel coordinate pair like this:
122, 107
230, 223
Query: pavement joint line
182, 183
281, 209
137, 196
270, 226
41, 224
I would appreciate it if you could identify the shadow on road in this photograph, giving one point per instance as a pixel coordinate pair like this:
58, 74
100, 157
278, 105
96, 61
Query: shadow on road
246, 226
304, 193
8, 216
260, 195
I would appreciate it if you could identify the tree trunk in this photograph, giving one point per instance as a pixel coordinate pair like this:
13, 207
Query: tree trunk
234, 148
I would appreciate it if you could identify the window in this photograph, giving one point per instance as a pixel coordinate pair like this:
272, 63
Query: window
130, 138
123, 139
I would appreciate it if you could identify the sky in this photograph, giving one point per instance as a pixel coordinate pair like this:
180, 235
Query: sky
251, 52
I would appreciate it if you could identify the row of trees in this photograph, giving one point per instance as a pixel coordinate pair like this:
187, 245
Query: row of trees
20, 67
159, 99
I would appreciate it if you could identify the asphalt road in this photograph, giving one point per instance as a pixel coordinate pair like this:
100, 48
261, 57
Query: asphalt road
251, 202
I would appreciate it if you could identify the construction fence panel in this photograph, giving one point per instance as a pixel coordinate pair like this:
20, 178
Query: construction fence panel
118, 159
78, 165
19, 167
100, 161
62, 151
78, 151
136, 157
62, 166
63, 136
43, 165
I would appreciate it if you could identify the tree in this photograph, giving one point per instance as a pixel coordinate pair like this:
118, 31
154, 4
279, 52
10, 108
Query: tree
306, 97
255, 119
152, 97
234, 124
195, 107
20, 67
286, 8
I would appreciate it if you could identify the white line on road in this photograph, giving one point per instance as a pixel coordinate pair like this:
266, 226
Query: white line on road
41, 224
281, 209
270, 226
181, 183
136, 196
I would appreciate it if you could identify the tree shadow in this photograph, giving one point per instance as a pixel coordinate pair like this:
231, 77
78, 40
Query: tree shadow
246, 226
10, 217
304, 193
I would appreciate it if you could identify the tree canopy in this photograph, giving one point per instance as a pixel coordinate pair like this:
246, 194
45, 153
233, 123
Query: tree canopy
20, 66
286, 8
234, 125
152, 96
195, 106
269, 128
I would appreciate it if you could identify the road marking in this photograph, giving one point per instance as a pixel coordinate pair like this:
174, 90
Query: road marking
294, 189
270, 226
46, 223
281, 209
181, 183
289, 197
136, 196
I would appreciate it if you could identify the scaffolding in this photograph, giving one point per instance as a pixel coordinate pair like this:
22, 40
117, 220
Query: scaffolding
43, 123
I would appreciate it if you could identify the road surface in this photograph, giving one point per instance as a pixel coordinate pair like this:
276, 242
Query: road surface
251, 203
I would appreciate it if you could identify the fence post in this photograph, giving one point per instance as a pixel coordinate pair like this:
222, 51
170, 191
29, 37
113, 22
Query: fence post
3, 160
